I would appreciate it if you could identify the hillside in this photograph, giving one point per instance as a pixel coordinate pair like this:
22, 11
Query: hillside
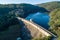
50, 6
8, 14
23, 8
10, 11
54, 22
9, 25
11, 34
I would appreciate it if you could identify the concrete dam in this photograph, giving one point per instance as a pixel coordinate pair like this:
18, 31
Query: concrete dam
34, 30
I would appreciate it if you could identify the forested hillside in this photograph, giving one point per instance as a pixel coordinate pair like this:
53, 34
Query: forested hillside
25, 9
10, 11
55, 22
50, 6
8, 14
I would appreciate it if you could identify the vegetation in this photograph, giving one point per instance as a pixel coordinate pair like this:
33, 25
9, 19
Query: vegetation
55, 22
8, 21
50, 6
11, 34
10, 11
40, 38
23, 9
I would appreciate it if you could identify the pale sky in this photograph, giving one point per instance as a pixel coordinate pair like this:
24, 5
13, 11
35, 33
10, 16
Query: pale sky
25, 1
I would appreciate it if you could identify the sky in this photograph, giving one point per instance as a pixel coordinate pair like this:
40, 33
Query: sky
25, 1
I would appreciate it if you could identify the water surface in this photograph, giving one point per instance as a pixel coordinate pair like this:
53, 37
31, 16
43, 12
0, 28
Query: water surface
41, 19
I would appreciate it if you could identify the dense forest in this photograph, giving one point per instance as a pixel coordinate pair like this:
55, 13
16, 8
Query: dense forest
9, 24
23, 8
50, 6
55, 22
8, 14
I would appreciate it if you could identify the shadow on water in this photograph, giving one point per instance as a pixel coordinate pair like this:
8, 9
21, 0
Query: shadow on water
24, 32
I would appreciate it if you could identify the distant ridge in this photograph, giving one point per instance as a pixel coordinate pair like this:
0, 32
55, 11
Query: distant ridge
50, 6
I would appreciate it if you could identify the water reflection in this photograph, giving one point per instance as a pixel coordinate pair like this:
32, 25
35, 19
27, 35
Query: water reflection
40, 18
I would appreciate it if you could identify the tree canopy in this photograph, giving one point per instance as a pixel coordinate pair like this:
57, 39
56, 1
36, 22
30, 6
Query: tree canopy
10, 11
50, 6
55, 22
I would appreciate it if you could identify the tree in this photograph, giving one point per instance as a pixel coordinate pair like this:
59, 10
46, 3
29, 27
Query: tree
50, 6
55, 22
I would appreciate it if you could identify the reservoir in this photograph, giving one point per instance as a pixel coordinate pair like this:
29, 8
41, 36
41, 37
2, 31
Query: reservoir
41, 19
